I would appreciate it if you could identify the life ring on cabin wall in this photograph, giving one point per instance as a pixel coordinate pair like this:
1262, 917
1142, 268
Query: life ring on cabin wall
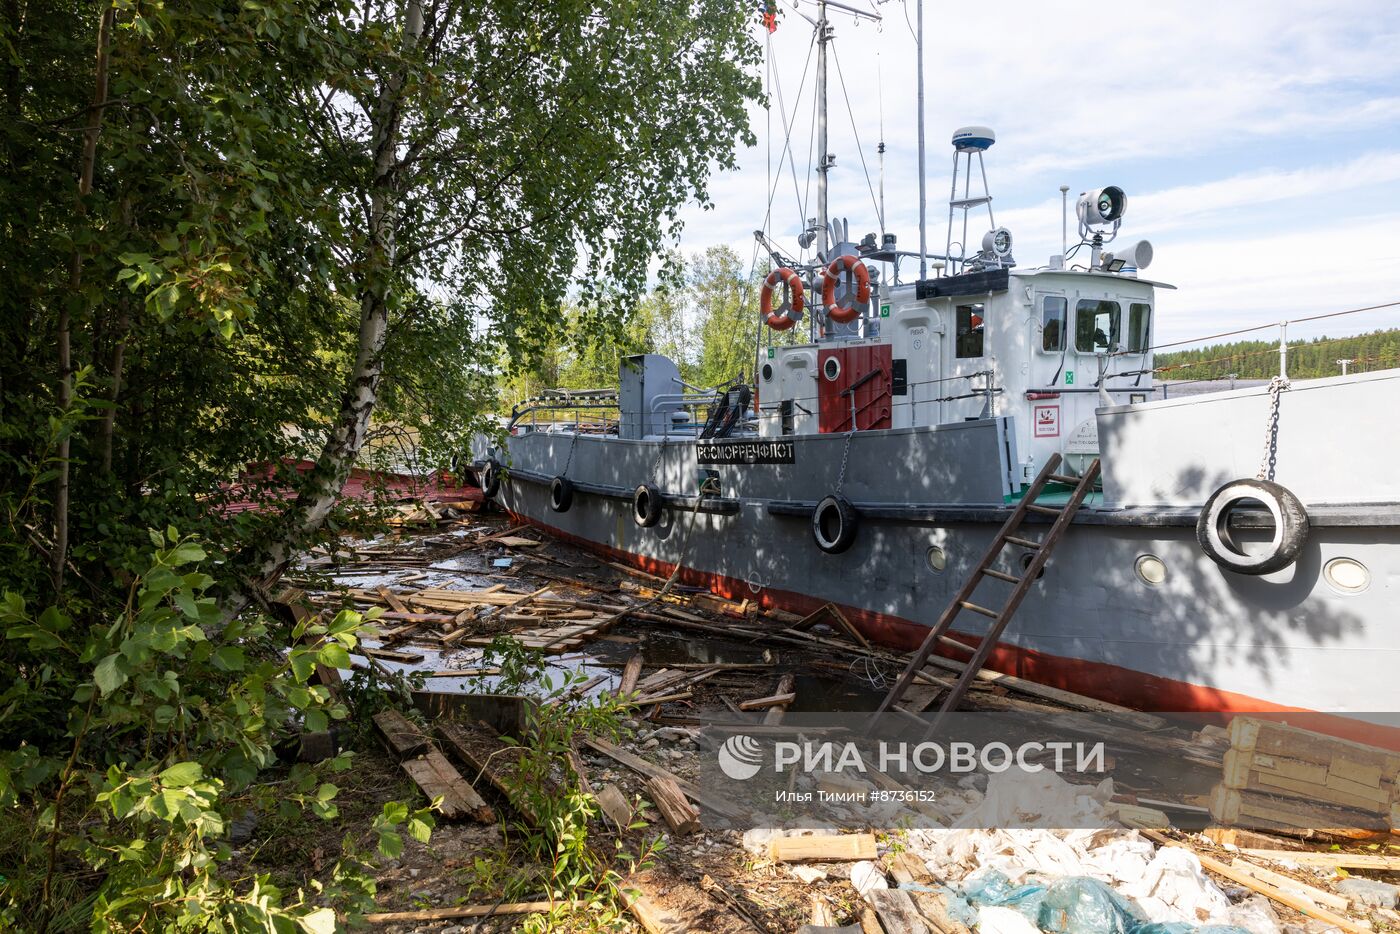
1217, 540
790, 311
831, 275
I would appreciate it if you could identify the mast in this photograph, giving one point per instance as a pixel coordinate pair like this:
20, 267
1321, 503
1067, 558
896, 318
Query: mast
923, 234
823, 36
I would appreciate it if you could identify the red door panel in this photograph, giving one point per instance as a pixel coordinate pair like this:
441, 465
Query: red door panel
839, 368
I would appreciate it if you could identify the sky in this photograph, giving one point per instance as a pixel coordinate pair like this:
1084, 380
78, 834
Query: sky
1258, 142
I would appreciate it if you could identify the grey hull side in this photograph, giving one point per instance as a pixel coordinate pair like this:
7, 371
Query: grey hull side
1205, 638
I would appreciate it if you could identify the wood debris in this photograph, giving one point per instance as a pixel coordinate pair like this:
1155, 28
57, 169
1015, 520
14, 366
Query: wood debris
816, 847
437, 778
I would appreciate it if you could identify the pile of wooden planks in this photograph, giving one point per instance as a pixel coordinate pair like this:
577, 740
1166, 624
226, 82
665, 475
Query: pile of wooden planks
539, 619
1281, 777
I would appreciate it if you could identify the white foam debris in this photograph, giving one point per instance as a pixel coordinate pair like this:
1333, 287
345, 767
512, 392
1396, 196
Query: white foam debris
867, 877
1175, 888
997, 920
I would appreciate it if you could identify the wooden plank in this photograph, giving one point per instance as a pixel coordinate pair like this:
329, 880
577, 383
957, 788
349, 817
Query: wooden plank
1288, 899
680, 815
638, 764
897, 911
614, 805
630, 674
664, 698
403, 737
518, 541
1329, 860
405, 658
816, 847
473, 747
391, 598
462, 672
776, 712
501, 533
1246, 839
908, 869
461, 911
437, 778
1289, 884
1270, 811
763, 703
1270, 738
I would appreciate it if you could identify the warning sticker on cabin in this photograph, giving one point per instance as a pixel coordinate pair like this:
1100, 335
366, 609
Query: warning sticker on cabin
745, 452
1047, 421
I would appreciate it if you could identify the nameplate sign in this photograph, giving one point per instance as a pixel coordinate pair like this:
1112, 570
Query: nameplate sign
745, 452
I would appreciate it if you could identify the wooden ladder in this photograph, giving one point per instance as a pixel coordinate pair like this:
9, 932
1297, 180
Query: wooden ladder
1010, 534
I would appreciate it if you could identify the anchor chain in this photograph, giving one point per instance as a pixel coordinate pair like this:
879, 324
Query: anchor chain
1269, 464
845, 456
570, 459
656, 465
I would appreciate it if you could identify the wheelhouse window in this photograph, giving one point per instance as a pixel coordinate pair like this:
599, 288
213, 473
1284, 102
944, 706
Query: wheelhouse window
1139, 327
1053, 311
1096, 325
970, 328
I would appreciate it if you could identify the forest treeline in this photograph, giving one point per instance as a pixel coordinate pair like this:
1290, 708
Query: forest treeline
1377, 350
704, 316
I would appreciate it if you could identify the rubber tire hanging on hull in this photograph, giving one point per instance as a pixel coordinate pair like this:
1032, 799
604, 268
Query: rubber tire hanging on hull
561, 494
646, 505
1290, 527
491, 479
834, 524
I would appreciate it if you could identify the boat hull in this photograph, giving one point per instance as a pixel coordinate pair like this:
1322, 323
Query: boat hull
1204, 639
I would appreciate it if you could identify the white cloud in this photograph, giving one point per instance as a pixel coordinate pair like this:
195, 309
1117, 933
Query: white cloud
1263, 140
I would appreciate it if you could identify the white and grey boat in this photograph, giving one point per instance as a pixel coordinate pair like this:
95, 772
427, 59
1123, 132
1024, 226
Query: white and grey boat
1242, 551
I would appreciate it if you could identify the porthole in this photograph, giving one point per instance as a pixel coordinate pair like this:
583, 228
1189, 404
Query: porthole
1346, 575
1151, 570
937, 559
831, 369
1026, 560
767, 372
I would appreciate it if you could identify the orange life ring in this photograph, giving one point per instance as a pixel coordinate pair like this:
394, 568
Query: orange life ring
790, 312
832, 275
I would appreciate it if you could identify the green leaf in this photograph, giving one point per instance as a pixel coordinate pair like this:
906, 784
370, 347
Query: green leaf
109, 674
320, 921
390, 844
333, 655
181, 774
228, 658
185, 553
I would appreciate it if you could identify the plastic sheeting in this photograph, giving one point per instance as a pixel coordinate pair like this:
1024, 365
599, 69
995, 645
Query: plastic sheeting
1070, 905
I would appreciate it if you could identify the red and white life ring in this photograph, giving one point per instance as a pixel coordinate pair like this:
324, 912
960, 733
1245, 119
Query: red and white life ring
831, 275
790, 311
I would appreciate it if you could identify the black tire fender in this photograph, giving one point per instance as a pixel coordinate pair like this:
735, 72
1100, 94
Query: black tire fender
834, 524
646, 505
491, 479
1290, 527
561, 494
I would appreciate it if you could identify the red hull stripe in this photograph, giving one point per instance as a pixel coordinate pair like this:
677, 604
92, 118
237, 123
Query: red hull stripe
1125, 687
